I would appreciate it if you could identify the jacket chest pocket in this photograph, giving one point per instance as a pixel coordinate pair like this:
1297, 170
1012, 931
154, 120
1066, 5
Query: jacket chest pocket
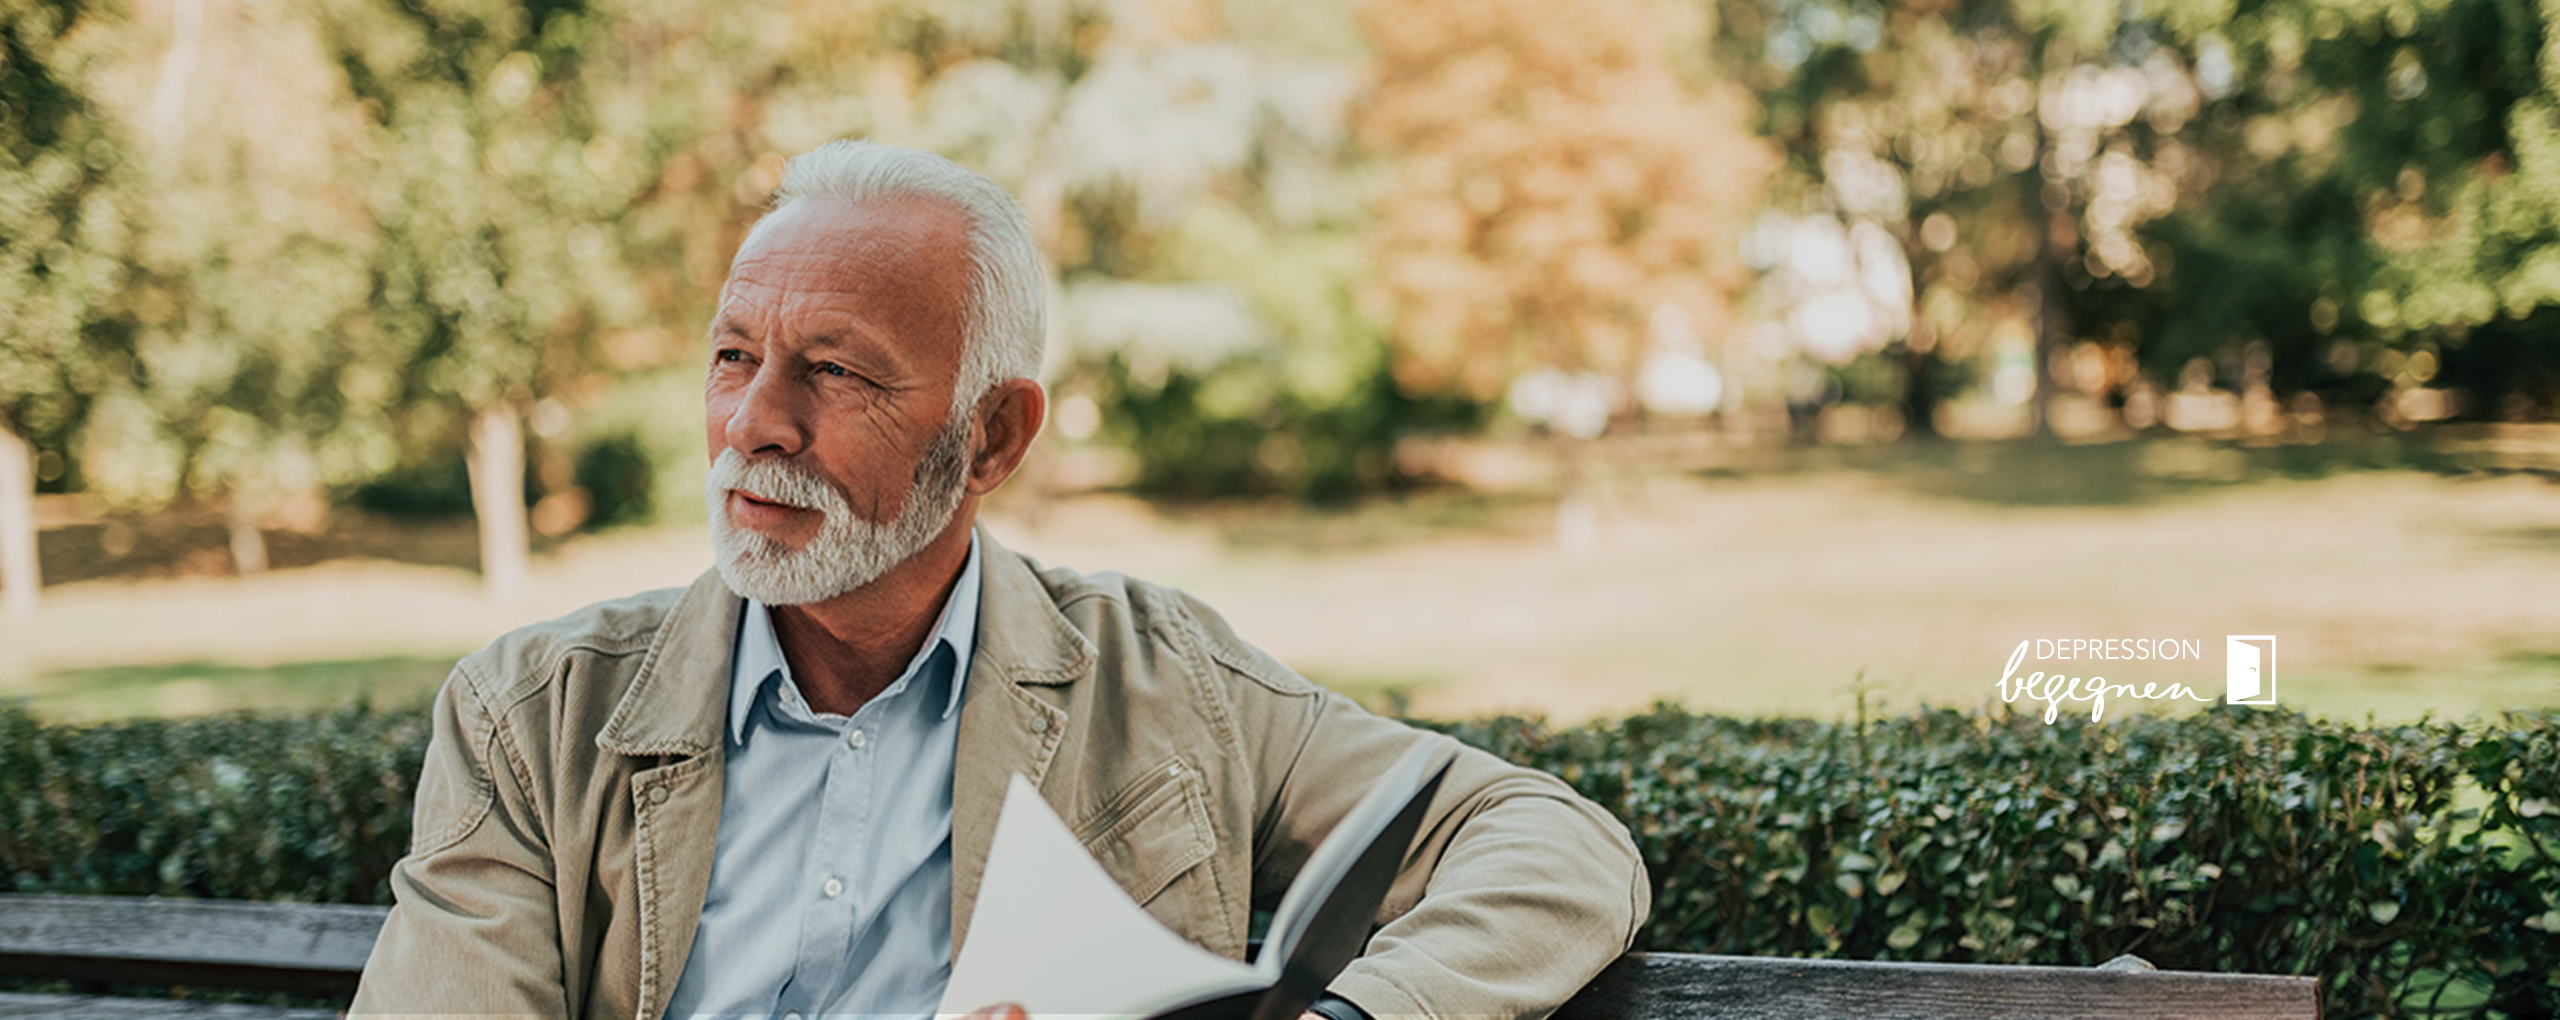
1150, 833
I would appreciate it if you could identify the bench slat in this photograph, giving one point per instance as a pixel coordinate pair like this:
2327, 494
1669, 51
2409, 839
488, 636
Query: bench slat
20, 1006
311, 949
1661, 986
320, 949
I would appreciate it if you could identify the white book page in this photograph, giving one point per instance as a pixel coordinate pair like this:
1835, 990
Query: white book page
1055, 935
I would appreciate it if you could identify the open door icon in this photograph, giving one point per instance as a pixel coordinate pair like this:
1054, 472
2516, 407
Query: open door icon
2251, 676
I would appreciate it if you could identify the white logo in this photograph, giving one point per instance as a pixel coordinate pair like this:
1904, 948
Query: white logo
2250, 670
2055, 688
2249, 676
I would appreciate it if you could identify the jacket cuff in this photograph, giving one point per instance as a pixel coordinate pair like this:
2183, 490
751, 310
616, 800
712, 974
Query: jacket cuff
1374, 996
1335, 1007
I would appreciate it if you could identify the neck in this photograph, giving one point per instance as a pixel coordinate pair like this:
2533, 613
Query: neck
846, 650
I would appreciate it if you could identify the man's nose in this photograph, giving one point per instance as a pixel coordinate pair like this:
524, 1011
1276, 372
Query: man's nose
769, 416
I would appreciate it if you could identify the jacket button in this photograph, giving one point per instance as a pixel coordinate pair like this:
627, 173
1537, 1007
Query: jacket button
1039, 724
657, 795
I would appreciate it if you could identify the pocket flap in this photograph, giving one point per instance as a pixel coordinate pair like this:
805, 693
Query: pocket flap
1153, 831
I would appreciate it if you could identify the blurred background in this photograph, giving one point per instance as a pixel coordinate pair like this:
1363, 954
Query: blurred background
1764, 356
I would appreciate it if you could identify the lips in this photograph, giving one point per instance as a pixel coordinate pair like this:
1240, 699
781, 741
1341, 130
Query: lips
767, 494
766, 501
749, 510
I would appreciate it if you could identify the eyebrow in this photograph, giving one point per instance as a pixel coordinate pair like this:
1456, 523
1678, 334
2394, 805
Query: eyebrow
725, 325
836, 340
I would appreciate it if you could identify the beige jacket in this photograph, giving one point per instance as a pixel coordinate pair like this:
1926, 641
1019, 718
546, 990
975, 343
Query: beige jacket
566, 814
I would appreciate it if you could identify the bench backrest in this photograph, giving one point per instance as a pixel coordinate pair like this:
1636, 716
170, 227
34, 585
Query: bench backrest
318, 949
305, 948
1659, 986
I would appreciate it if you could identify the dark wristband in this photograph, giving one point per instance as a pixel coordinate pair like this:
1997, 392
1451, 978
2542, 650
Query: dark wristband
1335, 1007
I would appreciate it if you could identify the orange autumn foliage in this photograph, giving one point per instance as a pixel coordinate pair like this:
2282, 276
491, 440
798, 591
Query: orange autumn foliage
1555, 183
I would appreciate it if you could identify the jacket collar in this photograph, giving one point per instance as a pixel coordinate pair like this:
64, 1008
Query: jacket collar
1016, 716
677, 703
679, 699
1021, 635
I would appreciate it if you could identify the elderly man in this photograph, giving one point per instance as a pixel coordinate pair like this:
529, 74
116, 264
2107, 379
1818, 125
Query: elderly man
772, 793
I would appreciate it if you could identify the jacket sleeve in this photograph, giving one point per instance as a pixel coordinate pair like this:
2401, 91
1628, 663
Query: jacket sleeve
1517, 891
474, 928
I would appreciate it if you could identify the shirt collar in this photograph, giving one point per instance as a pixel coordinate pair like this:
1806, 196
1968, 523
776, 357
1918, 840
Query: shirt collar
759, 658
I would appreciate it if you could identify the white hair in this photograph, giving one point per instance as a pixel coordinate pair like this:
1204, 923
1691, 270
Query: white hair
1003, 320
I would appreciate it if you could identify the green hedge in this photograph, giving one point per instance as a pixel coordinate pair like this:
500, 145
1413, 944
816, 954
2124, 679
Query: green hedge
257, 807
2411, 867
2415, 868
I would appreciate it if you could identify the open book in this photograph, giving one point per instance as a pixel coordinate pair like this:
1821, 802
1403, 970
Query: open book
1053, 933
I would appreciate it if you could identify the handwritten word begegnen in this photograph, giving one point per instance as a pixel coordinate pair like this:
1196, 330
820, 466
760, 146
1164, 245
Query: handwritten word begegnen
2054, 688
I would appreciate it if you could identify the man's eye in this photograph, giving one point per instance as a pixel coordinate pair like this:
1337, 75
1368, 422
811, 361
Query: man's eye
728, 354
831, 368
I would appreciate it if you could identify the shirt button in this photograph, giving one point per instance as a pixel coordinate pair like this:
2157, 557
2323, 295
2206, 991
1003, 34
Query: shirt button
793, 1015
855, 739
657, 795
1039, 724
834, 888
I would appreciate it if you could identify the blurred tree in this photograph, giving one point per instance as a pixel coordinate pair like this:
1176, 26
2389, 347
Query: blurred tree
497, 185
2011, 151
2350, 226
62, 238
1555, 185
2265, 240
1558, 192
697, 105
2183, 191
251, 284
2446, 159
1187, 168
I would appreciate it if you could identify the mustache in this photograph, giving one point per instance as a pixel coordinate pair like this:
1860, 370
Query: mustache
774, 481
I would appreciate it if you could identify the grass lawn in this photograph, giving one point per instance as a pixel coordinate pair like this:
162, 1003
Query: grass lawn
2397, 585
192, 688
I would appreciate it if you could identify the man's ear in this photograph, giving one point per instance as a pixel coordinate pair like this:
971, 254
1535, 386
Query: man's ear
1009, 415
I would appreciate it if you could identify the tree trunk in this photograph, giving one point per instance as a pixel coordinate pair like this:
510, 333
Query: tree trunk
2053, 321
1918, 350
19, 576
496, 463
1919, 391
1577, 513
248, 547
2055, 228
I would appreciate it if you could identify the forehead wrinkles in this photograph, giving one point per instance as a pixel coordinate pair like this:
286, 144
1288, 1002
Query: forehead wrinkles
892, 232
771, 278
907, 257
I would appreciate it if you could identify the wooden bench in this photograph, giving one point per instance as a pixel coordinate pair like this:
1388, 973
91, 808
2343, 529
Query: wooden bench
318, 950
1660, 986
306, 949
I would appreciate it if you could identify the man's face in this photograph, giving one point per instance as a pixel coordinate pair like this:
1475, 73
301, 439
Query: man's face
836, 449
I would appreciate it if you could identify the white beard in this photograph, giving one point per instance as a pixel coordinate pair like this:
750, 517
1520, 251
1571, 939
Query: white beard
848, 551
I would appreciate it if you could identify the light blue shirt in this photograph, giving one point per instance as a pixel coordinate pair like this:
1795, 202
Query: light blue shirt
831, 878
